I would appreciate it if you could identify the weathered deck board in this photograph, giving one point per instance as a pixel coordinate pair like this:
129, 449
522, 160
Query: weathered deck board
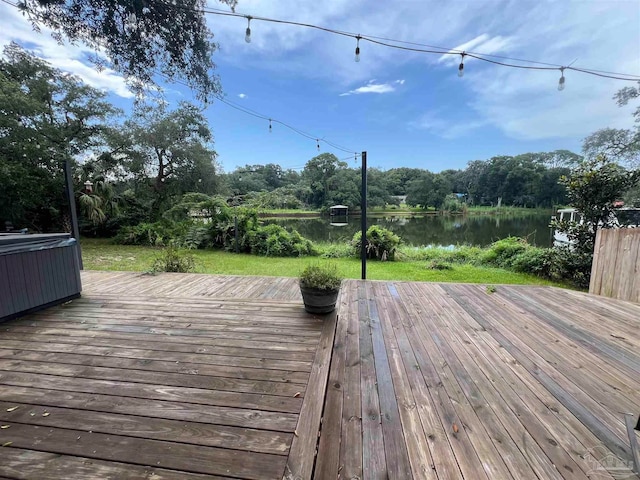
196, 376
527, 382
167, 376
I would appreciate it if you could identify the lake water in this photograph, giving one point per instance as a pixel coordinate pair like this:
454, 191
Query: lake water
478, 230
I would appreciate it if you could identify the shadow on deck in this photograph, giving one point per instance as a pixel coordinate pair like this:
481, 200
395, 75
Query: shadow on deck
183, 376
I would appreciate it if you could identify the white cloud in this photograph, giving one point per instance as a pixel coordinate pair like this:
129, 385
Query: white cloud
242, 95
439, 124
373, 87
66, 57
526, 104
522, 104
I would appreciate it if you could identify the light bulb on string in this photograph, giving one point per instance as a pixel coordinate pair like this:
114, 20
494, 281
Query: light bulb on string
561, 81
247, 37
357, 58
461, 67
270, 128
318, 144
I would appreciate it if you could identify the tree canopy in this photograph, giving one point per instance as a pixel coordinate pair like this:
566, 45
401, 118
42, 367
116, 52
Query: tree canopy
47, 117
618, 144
168, 150
140, 37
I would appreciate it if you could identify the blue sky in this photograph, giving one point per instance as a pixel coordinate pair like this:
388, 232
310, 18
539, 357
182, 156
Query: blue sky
403, 108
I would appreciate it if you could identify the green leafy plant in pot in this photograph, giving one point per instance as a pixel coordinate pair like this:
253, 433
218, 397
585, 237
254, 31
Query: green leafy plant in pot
320, 285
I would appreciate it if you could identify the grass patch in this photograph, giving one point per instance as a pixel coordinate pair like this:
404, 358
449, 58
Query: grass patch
100, 254
520, 211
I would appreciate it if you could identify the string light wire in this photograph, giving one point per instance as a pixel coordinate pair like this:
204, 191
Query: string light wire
422, 48
400, 44
271, 120
386, 42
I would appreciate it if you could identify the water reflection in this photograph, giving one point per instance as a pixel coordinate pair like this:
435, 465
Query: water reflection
478, 230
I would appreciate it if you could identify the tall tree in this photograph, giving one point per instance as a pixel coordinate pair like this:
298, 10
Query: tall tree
317, 175
170, 151
619, 144
593, 188
47, 117
429, 190
140, 37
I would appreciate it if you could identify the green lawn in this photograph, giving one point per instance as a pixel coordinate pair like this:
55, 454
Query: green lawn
101, 255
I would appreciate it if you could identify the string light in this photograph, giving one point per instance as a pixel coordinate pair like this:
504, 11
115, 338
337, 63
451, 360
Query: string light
253, 113
395, 43
561, 81
461, 67
357, 59
247, 37
270, 128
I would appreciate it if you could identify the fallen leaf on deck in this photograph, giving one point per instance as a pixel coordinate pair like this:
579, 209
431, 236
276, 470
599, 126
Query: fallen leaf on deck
6, 444
46, 414
297, 394
295, 432
455, 428
12, 409
4, 427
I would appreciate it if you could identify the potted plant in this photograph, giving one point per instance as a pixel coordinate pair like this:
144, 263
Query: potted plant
320, 285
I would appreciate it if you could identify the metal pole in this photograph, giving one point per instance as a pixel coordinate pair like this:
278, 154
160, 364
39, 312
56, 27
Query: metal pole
75, 229
363, 218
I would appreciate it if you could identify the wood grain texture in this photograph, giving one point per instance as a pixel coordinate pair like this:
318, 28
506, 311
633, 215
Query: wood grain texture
615, 271
522, 383
227, 377
166, 376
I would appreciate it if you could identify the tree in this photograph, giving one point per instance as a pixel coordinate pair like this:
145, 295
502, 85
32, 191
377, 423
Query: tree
428, 190
140, 37
257, 178
592, 188
317, 175
621, 145
47, 117
399, 178
168, 151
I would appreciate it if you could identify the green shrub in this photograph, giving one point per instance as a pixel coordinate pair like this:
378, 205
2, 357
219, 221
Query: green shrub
275, 241
439, 265
536, 261
198, 236
321, 277
173, 260
335, 250
381, 243
572, 265
502, 252
158, 234
465, 254
453, 205
459, 255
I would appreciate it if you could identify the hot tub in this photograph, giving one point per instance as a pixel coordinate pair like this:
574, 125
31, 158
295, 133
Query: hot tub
36, 272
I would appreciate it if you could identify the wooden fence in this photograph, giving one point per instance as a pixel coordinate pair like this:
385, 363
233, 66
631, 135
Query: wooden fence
615, 271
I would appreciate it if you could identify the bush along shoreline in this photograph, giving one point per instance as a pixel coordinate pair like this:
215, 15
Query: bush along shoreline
239, 230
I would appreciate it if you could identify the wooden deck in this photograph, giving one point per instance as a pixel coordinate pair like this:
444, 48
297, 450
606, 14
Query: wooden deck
454, 381
184, 376
165, 377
